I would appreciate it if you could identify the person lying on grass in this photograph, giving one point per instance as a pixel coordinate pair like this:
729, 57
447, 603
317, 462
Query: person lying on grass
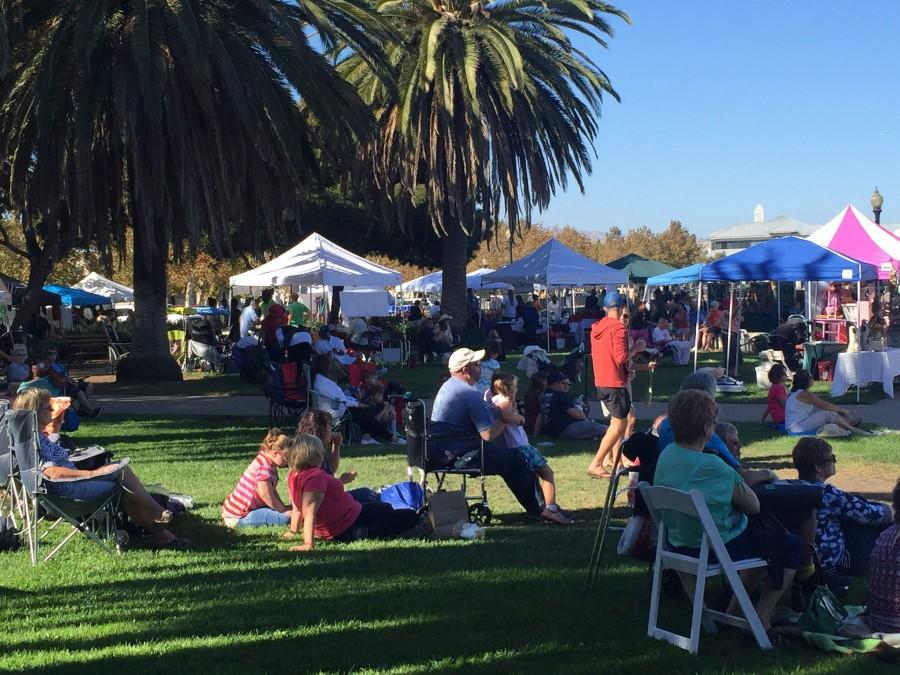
327, 511
54, 463
734, 507
255, 501
504, 388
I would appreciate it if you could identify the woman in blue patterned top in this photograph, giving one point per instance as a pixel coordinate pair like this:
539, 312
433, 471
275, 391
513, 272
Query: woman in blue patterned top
847, 524
54, 463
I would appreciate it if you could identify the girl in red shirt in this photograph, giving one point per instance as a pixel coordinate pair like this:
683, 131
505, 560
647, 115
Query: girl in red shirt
777, 395
326, 510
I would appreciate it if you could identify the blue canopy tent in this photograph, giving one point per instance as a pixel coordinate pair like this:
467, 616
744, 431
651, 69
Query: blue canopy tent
74, 297
783, 259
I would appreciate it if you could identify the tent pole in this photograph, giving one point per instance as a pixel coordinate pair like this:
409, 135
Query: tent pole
730, 328
697, 327
778, 301
547, 303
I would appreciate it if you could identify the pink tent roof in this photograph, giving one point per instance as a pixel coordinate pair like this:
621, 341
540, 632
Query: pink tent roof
854, 235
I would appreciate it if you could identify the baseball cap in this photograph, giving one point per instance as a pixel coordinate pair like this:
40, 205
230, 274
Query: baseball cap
19, 350
613, 299
556, 376
463, 357
58, 368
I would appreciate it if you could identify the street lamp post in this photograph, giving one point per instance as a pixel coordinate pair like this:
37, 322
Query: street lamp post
509, 239
877, 200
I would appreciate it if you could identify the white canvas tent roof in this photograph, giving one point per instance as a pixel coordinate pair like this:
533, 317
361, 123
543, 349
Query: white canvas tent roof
434, 282
315, 261
96, 283
555, 264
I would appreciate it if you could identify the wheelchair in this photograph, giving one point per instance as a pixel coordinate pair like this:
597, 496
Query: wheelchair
418, 439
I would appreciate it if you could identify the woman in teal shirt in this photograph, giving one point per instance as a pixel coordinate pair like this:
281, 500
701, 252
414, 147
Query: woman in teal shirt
733, 505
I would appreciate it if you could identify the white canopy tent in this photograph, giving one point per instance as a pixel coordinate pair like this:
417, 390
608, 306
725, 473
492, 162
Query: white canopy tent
96, 283
433, 282
316, 261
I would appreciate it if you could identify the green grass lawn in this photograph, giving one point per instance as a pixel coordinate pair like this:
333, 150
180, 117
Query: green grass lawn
424, 380
241, 602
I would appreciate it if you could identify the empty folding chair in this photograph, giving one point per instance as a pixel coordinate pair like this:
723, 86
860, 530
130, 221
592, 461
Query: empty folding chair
43, 511
694, 571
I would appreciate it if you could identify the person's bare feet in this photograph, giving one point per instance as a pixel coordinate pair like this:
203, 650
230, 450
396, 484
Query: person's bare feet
555, 517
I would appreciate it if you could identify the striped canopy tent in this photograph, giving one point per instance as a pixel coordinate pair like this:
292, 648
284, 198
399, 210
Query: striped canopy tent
854, 235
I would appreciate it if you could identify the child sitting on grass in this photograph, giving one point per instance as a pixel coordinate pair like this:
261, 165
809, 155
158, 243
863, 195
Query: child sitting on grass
255, 501
504, 387
777, 395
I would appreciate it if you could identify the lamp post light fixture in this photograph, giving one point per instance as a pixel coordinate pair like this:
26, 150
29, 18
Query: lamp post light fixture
877, 200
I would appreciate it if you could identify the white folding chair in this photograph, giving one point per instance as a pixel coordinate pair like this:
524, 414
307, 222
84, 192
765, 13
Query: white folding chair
694, 571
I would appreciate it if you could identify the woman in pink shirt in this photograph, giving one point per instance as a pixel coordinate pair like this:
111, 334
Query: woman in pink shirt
326, 510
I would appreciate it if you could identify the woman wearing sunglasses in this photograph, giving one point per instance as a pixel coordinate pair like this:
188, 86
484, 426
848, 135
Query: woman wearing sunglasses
847, 525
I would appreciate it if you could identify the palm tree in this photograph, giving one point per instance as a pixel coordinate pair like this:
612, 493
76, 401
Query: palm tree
184, 119
495, 107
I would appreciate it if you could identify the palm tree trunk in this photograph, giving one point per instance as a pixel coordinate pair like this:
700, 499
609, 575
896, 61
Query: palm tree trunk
149, 358
453, 261
38, 271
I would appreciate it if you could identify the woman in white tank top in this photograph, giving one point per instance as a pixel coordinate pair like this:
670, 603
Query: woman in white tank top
806, 413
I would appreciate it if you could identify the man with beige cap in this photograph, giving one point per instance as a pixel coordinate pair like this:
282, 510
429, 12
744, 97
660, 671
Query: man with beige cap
459, 410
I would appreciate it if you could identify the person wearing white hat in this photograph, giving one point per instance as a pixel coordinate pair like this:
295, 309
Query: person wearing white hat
459, 410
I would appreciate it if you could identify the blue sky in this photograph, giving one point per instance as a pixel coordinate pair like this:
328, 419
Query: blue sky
793, 104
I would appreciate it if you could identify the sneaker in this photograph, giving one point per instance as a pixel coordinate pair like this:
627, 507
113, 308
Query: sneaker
97, 411
369, 441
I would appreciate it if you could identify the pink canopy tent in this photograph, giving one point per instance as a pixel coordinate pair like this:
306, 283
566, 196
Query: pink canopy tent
854, 235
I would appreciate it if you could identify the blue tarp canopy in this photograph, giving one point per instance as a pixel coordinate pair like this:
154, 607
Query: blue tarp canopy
555, 264
74, 297
783, 259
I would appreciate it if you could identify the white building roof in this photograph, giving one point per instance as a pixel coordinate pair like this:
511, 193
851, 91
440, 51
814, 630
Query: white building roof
781, 226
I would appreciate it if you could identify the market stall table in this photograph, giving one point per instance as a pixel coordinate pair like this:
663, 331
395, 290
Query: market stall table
813, 352
863, 367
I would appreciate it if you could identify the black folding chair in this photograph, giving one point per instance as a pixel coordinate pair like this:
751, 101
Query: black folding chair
469, 465
43, 511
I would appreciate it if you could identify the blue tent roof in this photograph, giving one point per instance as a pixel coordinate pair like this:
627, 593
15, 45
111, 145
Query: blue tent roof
783, 259
74, 297
555, 264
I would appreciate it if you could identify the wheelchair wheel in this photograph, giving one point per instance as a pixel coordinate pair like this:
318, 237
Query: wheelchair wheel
480, 514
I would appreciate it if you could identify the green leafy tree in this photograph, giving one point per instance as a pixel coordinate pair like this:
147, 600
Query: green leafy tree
178, 118
494, 109
677, 247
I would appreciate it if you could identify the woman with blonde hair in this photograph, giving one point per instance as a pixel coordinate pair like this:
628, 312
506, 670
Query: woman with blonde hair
255, 502
55, 464
326, 510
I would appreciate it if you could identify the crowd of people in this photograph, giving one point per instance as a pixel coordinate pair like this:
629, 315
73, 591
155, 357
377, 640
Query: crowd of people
479, 418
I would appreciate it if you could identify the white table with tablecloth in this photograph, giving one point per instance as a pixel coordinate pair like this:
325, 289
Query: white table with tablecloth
860, 368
